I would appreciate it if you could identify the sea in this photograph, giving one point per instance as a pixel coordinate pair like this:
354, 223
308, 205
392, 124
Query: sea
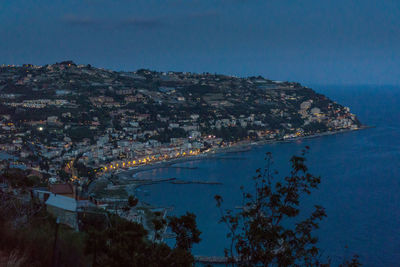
360, 182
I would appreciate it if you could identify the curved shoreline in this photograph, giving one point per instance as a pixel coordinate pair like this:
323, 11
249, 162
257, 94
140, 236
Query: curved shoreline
238, 147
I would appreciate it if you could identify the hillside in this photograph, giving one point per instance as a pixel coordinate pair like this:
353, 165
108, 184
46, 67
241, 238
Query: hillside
64, 110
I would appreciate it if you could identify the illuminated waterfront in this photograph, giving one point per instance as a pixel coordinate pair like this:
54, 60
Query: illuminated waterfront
359, 188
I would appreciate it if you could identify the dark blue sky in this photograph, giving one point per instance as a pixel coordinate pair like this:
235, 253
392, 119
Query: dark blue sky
313, 42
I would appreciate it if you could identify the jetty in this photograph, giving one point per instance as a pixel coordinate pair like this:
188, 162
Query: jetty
195, 182
211, 259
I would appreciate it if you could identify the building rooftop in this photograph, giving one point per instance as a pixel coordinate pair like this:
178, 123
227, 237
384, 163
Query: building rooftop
62, 202
61, 189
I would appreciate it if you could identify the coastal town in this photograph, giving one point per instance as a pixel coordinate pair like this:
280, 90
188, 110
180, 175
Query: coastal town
67, 129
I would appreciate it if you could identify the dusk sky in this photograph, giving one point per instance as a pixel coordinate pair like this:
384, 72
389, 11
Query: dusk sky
313, 42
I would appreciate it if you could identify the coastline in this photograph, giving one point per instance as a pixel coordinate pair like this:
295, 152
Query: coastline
242, 146
126, 178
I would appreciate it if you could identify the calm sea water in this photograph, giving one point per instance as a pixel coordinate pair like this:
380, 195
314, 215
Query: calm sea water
360, 186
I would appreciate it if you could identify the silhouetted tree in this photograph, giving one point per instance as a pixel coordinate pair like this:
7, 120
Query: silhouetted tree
267, 230
159, 224
124, 243
186, 231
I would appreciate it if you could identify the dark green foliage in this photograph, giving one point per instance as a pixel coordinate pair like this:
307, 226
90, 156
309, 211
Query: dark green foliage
167, 134
159, 224
200, 90
19, 178
77, 134
231, 133
67, 62
186, 231
124, 243
83, 170
354, 262
63, 175
315, 127
117, 124
27, 230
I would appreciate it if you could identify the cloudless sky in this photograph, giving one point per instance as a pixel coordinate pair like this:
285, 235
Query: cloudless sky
317, 42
